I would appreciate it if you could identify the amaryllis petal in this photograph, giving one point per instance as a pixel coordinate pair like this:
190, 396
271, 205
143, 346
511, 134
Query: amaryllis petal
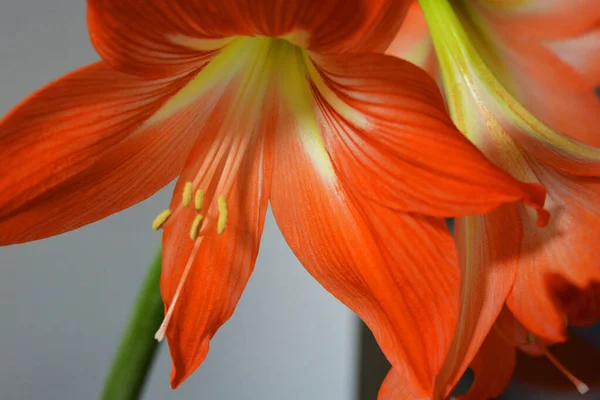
484, 100
564, 253
514, 333
84, 147
578, 53
413, 42
556, 268
327, 26
216, 215
381, 23
544, 63
159, 38
542, 19
385, 126
488, 255
210, 245
513, 138
545, 75
395, 388
582, 305
493, 366
359, 252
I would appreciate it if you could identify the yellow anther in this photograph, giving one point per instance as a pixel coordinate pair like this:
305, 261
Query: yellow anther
187, 194
530, 338
199, 200
160, 220
222, 223
195, 227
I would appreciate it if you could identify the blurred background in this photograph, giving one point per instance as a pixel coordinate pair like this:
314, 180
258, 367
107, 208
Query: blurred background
64, 301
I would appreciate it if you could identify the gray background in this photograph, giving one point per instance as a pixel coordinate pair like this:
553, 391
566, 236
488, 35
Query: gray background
64, 301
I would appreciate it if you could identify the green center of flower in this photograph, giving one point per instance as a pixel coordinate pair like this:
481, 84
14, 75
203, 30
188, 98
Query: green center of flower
263, 79
256, 67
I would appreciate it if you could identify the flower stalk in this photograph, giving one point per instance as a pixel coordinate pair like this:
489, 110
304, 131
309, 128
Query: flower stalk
137, 349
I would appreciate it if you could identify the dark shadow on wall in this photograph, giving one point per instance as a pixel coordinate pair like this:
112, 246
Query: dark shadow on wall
373, 366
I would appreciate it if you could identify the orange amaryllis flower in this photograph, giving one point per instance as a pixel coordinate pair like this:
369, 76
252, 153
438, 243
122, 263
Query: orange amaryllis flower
519, 78
249, 102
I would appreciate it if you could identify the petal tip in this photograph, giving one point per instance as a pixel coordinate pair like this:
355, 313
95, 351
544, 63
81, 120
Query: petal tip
536, 197
543, 218
185, 361
178, 376
174, 384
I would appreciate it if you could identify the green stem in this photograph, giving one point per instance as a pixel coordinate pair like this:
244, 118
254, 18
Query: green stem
138, 347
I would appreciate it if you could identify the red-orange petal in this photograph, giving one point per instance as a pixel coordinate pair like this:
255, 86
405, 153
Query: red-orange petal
563, 255
385, 126
203, 276
578, 53
514, 333
542, 19
413, 42
331, 26
582, 305
158, 38
545, 75
406, 290
539, 256
488, 252
82, 148
546, 57
395, 388
493, 366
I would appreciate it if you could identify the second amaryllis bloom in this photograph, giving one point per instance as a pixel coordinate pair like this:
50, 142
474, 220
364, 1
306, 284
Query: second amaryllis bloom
520, 81
249, 102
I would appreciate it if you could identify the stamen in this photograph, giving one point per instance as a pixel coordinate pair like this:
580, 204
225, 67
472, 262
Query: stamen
161, 219
582, 388
160, 333
222, 223
199, 200
187, 194
162, 330
195, 227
